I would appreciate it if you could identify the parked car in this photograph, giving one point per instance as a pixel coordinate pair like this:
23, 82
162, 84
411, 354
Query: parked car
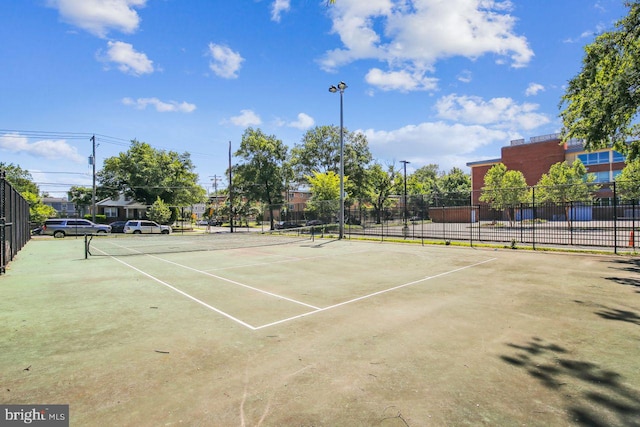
61, 227
314, 222
286, 224
117, 226
215, 222
143, 226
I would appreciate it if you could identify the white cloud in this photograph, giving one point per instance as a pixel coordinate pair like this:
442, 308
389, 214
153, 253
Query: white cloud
412, 36
98, 17
46, 148
533, 89
225, 62
446, 145
502, 113
400, 80
304, 122
246, 118
160, 106
127, 59
278, 7
465, 76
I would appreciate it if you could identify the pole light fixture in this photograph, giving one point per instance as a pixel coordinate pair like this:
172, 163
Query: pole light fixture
333, 89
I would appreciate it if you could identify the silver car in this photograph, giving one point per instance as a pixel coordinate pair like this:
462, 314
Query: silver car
143, 226
61, 227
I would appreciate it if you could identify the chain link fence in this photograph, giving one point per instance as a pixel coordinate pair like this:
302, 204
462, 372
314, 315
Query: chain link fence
14, 222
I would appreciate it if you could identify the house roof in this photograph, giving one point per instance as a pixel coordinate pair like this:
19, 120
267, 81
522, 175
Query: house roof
121, 202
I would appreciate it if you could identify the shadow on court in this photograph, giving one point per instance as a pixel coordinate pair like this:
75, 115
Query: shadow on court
593, 395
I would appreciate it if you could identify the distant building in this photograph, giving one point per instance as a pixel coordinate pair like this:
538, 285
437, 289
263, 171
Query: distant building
121, 208
64, 207
535, 157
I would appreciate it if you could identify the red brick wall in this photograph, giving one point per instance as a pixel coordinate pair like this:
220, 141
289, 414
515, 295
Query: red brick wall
477, 180
533, 159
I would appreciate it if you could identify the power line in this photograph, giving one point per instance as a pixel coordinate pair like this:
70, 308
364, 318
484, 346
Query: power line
106, 139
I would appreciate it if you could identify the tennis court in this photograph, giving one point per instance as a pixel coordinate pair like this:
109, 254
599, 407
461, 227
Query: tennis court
289, 330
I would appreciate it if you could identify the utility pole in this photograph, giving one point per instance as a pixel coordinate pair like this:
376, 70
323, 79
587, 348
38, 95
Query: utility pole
93, 193
214, 180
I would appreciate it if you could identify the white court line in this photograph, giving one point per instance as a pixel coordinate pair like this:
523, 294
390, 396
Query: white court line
372, 294
316, 309
186, 294
220, 278
236, 283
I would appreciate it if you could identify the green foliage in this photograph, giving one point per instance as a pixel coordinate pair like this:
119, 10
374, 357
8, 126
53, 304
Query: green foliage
38, 211
159, 212
81, 196
504, 188
380, 187
564, 184
628, 182
319, 151
455, 187
262, 173
325, 199
145, 174
19, 178
100, 219
603, 100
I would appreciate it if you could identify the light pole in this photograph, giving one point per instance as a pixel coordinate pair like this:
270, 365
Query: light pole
333, 89
406, 226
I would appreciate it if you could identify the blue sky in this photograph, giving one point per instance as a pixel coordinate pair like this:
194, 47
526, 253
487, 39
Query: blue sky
429, 81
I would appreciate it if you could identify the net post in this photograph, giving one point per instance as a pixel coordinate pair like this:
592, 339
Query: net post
86, 247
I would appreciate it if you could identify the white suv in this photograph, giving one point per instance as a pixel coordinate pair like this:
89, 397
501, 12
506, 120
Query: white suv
144, 226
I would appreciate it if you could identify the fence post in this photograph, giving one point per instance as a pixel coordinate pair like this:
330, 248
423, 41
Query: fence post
534, 210
615, 219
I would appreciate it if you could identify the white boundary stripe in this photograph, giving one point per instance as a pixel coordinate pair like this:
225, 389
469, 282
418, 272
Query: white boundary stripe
373, 294
187, 295
236, 283
316, 309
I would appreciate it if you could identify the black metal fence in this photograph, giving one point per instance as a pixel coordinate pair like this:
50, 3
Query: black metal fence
600, 220
14, 222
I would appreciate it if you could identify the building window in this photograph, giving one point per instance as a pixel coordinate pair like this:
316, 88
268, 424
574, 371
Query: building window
111, 212
588, 159
601, 176
618, 157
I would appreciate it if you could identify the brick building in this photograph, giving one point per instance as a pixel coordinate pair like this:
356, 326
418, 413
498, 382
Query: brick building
535, 157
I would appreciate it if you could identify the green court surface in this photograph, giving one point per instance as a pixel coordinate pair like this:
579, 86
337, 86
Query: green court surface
320, 333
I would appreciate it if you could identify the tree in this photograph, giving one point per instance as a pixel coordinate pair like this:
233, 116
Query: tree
325, 199
319, 151
145, 173
456, 187
261, 175
504, 189
22, 182
380, 186
628, 182
564, 184
20, 179
603, 100
159, 212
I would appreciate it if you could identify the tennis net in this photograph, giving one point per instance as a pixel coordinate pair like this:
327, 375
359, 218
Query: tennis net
141, 244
